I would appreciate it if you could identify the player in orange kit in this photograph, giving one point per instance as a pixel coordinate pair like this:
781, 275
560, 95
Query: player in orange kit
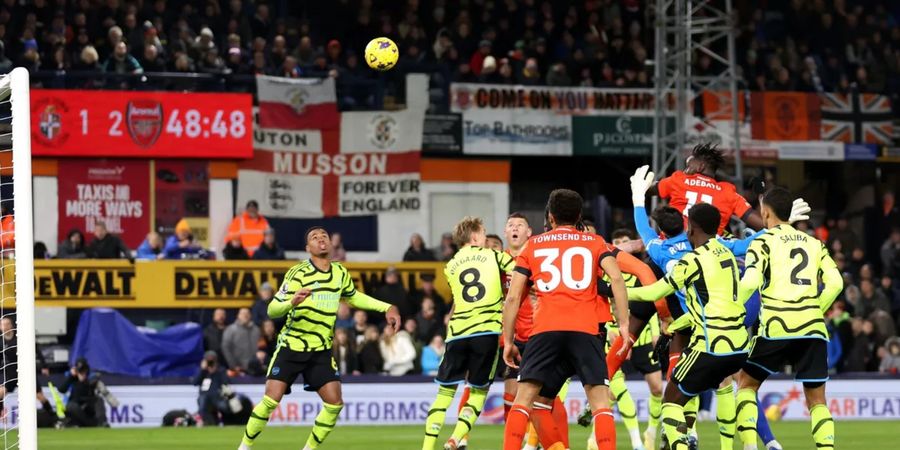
563, 265
698, 184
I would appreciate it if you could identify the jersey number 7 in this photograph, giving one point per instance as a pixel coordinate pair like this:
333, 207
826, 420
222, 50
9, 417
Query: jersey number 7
563, 273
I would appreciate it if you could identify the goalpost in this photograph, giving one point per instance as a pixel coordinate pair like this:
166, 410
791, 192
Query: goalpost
19, 427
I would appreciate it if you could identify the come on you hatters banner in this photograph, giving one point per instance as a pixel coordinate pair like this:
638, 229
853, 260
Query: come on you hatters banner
302, 168
536, 120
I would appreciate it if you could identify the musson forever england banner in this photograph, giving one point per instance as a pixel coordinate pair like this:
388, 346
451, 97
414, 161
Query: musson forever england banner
304, 167
526, 120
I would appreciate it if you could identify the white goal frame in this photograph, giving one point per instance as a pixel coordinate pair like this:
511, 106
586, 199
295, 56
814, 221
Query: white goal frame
24, 257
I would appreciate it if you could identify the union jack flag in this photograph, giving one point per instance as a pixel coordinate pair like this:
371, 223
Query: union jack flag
857, 118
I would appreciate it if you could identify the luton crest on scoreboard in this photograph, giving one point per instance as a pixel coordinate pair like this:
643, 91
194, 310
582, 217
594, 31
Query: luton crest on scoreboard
144, 118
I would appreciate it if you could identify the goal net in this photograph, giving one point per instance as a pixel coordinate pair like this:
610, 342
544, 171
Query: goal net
17, 344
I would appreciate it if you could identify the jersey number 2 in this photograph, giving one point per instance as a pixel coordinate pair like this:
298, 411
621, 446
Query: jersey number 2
804, 261
692, 196
564, 272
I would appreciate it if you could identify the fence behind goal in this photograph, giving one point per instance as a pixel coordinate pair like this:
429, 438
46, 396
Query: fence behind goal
17, 345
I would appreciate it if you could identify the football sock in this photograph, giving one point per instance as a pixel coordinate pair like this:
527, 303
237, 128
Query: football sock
762, 424
747, 414
507, 403
542, 418
562, 420
655, 405
604, 429
613, 360
725, 416
436, 415
564, 390
673, 361
468, 414
259, 416
690, 412
822, 426
673, 423
626, 407
324, 423
516, 424
464, 398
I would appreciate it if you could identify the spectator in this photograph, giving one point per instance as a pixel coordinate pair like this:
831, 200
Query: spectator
152, 62
860, 355
84, 408
214, 332
447, 248
337, 244
211, 379
360, 324
397, 350
393, 292
890, 254
344, 350
234, 250
417, 250
41, 251
88, 60
259, 365
73, 246
530, 75
558, 76
476, 62
432, 355
260, 309
268, 339
845, 236
152, 247
428, 290
249, 227
105, 245
344, 317
181, 245
121, 62
890, 356
269, 249
840, 321
235, 62
872, 300
6, 64
239, 341
427, 322
370, 359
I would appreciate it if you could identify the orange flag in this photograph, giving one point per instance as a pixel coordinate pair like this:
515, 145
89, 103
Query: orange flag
785, 116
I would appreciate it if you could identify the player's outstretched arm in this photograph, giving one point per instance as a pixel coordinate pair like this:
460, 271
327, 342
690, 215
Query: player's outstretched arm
651, 293
740, 246
753, 220
832, 279
640, 184
628, 263
511, 306
362, 301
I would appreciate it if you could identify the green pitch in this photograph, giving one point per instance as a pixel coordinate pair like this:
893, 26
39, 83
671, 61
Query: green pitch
792, 435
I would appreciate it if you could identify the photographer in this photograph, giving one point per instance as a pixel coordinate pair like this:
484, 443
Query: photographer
86, 394
211, 379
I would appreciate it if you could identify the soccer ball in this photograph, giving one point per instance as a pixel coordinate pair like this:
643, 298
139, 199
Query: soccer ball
773, 413
382, 53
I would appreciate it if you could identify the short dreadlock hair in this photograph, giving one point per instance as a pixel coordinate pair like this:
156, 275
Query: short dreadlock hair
709, 154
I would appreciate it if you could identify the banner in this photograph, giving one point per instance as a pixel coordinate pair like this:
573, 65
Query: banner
297, 104
613, 136
135, 124
860, 152
857, 118
179, 283
182, 192
370, 165
526, 120
115, 192
442, 133
811, 150
785, 116
407, 403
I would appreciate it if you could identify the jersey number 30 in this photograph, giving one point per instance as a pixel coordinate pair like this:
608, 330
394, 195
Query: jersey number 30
563, 273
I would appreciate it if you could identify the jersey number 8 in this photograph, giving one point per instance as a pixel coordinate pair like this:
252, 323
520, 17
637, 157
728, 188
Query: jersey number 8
473, 282
564, 272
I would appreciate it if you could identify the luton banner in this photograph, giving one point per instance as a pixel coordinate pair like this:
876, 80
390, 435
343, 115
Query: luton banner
368, 165
785, 116
116, 192
536, 120
90, 283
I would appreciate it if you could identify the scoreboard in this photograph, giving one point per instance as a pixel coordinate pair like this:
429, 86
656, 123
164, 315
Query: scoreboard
137, 124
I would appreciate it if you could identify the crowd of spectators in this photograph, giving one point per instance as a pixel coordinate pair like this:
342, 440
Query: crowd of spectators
794, 45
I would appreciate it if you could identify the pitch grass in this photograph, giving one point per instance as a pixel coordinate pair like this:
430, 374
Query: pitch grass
792, 435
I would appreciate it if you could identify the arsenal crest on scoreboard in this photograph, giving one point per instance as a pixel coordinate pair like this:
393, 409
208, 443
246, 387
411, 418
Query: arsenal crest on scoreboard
144, 118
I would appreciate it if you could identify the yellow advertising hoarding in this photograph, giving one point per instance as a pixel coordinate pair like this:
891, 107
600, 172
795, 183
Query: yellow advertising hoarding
185, 284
